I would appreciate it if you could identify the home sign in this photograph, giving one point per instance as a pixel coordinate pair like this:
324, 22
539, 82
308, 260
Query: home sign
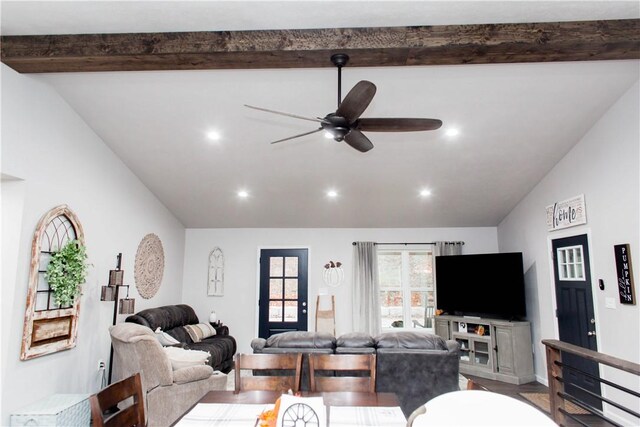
567, 213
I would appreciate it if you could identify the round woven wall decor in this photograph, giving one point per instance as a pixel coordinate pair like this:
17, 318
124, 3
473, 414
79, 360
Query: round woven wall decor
149, 266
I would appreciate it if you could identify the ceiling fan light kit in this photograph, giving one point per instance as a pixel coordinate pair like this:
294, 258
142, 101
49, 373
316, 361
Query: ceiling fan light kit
346, 125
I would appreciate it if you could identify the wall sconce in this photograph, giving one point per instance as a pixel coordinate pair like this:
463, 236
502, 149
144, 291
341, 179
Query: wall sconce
333, 274
111, 292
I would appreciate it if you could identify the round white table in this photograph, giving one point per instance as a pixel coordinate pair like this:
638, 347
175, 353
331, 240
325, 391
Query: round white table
480, 408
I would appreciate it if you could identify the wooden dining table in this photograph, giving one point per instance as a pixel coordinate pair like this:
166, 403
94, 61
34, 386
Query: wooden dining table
331, 399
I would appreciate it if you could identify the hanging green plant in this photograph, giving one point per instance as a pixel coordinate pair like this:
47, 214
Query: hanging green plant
66, 272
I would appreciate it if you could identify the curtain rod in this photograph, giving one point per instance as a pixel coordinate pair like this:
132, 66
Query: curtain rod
424, 243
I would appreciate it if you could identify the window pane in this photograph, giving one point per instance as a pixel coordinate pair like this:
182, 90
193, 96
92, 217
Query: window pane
53, 304
291, 266
561, 256
418, 308
41, 300
291, 311
275, 288
420, 269
390, 270
45, 259
579, 254
291, 288
391, 308
571, 274
275, 311
275, 266
42, 283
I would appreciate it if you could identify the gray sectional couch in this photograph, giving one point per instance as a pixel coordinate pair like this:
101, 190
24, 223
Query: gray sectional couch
415, 366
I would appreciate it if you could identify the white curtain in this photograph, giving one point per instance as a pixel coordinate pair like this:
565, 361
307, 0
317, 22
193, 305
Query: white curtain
447, 248
366, 289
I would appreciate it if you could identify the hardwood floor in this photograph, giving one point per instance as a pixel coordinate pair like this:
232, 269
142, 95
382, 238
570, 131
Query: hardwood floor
513, 390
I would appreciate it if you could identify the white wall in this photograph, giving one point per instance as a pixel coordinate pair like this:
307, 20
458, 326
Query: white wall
604, 166
238, 307
60, 160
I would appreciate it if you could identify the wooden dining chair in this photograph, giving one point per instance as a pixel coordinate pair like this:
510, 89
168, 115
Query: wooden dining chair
343, 372
279, 372
104, 404
472, 385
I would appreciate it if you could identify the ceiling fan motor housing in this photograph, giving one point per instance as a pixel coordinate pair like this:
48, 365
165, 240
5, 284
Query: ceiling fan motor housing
336, 125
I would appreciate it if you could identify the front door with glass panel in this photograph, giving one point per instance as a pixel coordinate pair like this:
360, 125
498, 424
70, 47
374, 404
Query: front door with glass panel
576, 319
283, 291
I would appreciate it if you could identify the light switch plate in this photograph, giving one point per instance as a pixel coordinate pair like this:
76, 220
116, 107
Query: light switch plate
610, 302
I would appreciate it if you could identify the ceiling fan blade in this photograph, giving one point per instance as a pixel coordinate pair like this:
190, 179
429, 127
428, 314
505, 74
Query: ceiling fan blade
358, 140
397, 125
285, 114
357, 100
297, 136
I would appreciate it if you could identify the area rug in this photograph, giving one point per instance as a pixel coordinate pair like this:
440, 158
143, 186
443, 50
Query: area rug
541, 400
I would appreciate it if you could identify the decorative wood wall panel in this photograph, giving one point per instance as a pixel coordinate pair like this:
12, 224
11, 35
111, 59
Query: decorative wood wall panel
49, 328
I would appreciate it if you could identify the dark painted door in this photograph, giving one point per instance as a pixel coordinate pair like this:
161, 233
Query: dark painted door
283, 291
576, 320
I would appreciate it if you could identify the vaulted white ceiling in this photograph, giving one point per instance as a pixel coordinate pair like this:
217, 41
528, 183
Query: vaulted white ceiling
516, 121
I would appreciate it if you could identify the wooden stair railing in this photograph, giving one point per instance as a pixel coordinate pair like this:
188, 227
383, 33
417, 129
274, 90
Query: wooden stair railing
557, 395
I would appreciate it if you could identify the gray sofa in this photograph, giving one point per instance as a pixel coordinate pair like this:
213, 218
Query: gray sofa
415, 366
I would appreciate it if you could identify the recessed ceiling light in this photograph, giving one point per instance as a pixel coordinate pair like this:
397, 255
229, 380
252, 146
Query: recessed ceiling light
214, 135
452, 132
425, 193
243, 194
332, 194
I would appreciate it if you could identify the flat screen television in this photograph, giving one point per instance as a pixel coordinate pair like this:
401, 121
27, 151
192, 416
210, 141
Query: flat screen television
484, 285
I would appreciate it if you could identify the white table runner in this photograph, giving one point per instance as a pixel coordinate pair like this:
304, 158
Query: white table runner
369, 416
222, 415
235, 415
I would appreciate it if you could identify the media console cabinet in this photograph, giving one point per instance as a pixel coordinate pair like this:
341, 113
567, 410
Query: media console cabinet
490, 348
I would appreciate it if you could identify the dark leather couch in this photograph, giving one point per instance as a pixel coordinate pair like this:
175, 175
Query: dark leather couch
172, 318
415, 366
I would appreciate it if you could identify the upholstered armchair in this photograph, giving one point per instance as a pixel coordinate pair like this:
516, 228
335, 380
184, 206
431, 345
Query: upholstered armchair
168, 392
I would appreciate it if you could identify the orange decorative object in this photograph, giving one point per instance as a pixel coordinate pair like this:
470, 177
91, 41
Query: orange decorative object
480, 330
269, 417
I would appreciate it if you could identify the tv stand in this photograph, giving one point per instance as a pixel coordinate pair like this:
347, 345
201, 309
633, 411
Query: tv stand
491, 348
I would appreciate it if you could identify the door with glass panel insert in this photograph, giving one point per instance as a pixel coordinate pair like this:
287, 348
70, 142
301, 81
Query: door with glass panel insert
283, 291
576, 315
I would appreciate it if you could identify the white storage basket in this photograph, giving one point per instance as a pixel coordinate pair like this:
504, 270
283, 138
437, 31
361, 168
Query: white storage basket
56, 410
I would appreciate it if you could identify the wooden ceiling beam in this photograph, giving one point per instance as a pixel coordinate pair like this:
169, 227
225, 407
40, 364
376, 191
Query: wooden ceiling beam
367, 47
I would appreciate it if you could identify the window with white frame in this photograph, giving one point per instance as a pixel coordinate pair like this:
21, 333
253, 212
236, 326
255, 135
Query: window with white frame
407, 296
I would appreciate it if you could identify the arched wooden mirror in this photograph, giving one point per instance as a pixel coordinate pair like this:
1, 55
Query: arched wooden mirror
49, 328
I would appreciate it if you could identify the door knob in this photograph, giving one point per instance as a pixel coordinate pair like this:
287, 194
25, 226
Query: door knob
591, 333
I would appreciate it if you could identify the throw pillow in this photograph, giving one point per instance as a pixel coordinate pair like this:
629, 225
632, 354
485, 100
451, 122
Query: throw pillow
200, 331
182, 358
165, 339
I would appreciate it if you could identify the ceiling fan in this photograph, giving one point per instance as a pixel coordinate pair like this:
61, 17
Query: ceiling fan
346, 125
